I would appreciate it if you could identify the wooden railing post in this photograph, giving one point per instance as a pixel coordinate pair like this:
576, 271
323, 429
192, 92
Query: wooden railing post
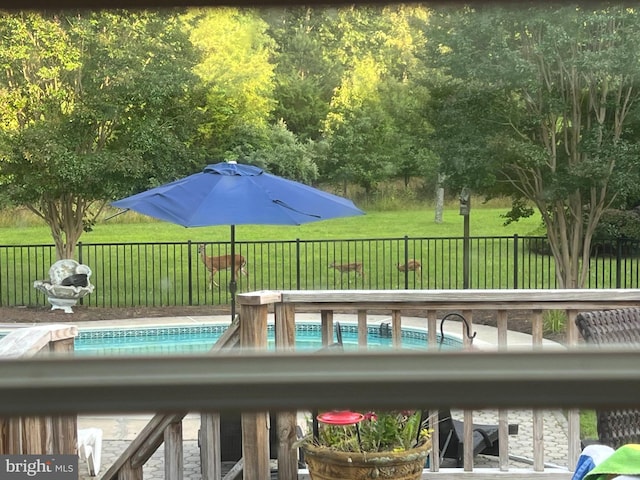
363, 333
173, 454
63, 429
503, 420
285, 330
573, 414
15, 436
253, 336
326, 326
34, 435
210, 456
468, 414
537, 330
434, 424
396, 328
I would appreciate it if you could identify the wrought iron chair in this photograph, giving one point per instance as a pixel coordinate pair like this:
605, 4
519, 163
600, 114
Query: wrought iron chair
613, 327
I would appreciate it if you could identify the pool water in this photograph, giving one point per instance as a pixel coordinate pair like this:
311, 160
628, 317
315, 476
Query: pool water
196, 339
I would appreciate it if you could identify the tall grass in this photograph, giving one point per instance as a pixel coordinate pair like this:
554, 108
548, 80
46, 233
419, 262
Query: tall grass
554, 321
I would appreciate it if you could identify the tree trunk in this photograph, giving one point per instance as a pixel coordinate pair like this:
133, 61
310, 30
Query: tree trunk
570, 235
439, 198
66, 219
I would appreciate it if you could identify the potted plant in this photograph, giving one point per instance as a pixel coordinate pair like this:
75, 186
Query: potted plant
353, 445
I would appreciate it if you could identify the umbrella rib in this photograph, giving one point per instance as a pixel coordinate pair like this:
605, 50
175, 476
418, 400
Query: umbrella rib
283, 204
117, 213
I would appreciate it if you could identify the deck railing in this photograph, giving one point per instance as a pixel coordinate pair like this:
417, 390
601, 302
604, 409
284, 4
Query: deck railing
34, 434
285, 382
254, 307
167, 428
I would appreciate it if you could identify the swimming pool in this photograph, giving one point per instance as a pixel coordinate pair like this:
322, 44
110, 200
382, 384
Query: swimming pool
196, 339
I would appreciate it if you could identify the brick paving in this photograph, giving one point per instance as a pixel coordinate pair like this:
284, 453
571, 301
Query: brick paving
555, 428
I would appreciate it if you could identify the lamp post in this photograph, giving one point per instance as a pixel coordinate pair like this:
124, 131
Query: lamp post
465, 208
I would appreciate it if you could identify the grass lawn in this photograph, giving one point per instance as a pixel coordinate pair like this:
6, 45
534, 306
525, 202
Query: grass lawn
415, 222
588, 428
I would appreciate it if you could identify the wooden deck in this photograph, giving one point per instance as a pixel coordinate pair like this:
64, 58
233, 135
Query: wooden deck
285, 381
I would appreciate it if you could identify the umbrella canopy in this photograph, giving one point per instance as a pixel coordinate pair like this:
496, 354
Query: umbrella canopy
233, 194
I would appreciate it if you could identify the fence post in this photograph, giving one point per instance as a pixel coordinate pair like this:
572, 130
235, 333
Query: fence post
515, 260
465, 208
406, 262
618, 263
190, 273
465, 254
298, 264
79, 249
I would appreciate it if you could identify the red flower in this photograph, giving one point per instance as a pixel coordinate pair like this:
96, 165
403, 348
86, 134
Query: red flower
370, 416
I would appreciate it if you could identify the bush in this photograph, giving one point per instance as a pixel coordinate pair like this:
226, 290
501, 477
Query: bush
617, 227
619, 224
538, 245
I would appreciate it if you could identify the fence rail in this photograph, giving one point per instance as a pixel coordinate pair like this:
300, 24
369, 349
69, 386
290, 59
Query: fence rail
173, 274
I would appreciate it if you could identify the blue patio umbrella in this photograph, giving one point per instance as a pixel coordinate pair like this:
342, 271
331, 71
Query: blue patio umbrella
234, 194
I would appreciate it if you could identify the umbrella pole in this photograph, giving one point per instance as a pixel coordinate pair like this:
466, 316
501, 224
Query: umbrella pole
233, 286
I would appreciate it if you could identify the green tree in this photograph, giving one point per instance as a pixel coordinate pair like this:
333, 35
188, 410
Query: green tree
375, 129
540, 103
411, 155
358, 129
237, 74
93, 106
305, 76
283, 154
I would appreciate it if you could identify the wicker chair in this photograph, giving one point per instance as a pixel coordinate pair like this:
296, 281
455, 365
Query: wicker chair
614, 327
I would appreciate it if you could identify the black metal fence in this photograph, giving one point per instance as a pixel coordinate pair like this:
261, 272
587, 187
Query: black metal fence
170, 274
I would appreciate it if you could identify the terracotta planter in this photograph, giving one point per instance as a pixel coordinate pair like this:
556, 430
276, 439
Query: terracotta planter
325, 464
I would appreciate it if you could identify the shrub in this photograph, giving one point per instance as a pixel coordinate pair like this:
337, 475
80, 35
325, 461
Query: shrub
618, 224
617, 229
554, 321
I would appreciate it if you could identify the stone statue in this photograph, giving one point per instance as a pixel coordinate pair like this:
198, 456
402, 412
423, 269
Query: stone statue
68, 282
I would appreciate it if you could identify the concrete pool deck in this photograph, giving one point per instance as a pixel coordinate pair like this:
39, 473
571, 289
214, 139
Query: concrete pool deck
120, 430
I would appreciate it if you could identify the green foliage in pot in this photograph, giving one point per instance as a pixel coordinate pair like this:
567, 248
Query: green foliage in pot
385, 431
